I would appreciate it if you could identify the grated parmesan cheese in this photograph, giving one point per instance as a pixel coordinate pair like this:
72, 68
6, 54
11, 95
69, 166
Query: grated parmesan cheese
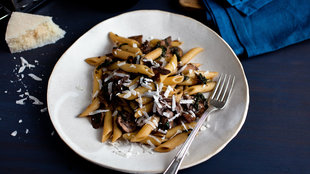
115, 113
25, 65
128, 94
121, 63
14, 133
183, 125
34, 77
98, 111
174, 117
110, 87
168, 90
186, 101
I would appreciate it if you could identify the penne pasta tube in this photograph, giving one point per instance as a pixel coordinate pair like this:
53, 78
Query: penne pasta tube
134, 81
189, 81
122, 54
120, 40
178, 93
130, 49
117, 133
179, 129
171, 66
145, 100
147, 128
207, 75
173, 80
137, 68
153, 42
96, 82
139, 89
91, 107
133, 105
200, 88
146, 108
95, 61
197, 64
154, 54
107, 126
153, 140
113, 66
190, 55
176, 43
129, 136
172, 143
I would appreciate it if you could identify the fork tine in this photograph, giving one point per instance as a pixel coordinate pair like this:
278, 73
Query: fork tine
225, 90
227, 94
217, 85
221, 88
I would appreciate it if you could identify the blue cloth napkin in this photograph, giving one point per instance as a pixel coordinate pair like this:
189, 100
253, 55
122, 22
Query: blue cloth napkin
266, 25
248, 7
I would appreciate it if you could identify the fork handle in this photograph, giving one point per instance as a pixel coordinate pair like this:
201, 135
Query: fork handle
177, 160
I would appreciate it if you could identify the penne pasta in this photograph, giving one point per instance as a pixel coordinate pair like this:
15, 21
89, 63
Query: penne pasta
171, 66
90, 108
107, 126
200, 88
120, 40
207, 75
122, 54
136, 68
176, 43
146, 129
153, 54
95, 61
145, 100
153, 140
189, 55
97, 74
138, 90
130, 49
172, 143
117, 133
153, 42
146, 108
173, 80
179, 129
189, 81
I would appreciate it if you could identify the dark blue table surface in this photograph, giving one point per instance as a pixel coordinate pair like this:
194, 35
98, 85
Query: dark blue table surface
274, 139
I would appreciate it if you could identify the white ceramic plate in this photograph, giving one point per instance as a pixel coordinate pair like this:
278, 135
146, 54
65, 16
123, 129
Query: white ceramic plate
69, 90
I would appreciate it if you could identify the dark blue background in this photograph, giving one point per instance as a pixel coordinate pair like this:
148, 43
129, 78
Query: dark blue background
274, 139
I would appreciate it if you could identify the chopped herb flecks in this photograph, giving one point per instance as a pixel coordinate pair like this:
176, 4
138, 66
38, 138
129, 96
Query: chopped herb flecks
186, 78
105, 64
199, 98
122, 45
202, 78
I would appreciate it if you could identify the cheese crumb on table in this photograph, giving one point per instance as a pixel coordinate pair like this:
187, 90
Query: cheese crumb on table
28, 31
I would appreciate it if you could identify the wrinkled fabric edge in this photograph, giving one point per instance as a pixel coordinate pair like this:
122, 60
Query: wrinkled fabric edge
224, 25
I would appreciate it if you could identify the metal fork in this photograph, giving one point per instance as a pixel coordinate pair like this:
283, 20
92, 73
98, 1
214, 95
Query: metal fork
216, 101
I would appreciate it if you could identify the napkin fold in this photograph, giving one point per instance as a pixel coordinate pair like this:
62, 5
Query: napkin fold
253, 27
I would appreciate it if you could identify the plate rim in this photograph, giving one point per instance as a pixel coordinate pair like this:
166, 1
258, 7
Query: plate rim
182, 167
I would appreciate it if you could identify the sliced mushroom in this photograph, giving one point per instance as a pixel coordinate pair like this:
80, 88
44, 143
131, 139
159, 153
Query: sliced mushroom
201, 109
188, 117
177, 51
97, 120
137, 38
161, 70
178, 108
126, 122
146, 47
190, 66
